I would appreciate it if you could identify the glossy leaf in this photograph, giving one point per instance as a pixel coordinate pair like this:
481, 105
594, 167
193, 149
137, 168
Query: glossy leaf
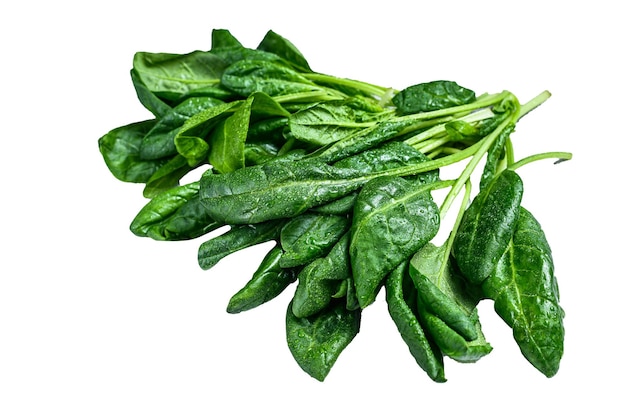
526, 295
176, 214
147, 98
275, 190
432, 96
278, 45
487, 226
268, 281
446, 309
159, 141
167, 176
175, 77
317, 341
494, 156
223, 38
120, 151
237, 238
330, 121
322, 280
310, 236
401, 297
249, 76
393, 218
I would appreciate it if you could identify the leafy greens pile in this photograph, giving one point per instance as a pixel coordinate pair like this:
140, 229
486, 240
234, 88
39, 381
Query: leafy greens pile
339, 173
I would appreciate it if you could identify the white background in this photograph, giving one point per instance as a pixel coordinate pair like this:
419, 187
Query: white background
97, 322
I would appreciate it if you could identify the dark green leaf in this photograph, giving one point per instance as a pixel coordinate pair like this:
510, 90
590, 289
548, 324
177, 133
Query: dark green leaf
313, 293
222, 38
494, 156
167, 176
237, 238
447, 311
147, 98
487, 226
393, 218
275, 79
174, 77
329, 121
526, 296
175, 214
193, 149
120, 150
159, 141
310, 236
275, 190
432, 96
317, 341
276, 44
268, 281
401, 303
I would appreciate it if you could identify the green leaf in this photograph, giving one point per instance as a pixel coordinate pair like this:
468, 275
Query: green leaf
401, 304
393, 218
329, 121
495, 154
237, 238
325, 278
268, 281
120, 149
276, 44
159, 142
446, 309
432, 96
275, 190
310, 236
249, 76
175, 214
193, 149
487, 226
167, 176
222, 38
317, 341
174, 77
526, 296
147, 98
228, 140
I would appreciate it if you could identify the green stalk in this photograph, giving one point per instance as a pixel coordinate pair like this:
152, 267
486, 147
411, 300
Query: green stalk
559, 156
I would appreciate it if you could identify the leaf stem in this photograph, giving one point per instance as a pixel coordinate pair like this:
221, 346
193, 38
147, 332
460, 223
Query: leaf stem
559, 156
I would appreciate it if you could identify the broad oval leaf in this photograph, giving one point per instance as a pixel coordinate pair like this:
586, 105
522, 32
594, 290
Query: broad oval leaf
487, 226
401, 303
393, 218
317, 341
432, 96
267, 282
526, 296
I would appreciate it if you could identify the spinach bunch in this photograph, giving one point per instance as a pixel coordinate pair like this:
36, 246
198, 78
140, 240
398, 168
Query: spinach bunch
340, 175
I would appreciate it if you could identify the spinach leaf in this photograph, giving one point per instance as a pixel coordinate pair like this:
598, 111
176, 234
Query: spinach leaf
310, 236
167, 176
275, 79
228, 140
329, 121
401, 297
120, 149
494, 156
282, 47
317, 341
237, 238
323, 279
175, 77
159, 141
222, 38
175, 214
434, 95
393, 218
194, 149
147, 98
487, 226
341, 206
526, 295
446, 309
275, 190
268, 281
